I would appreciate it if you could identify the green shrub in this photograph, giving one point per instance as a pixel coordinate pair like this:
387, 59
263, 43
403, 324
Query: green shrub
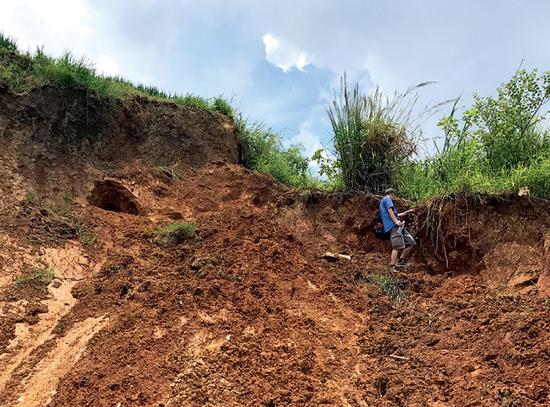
175, 233
35, 277
507, 126
261, 150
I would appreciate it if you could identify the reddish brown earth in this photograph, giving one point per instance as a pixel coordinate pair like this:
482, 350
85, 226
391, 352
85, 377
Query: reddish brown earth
248, 312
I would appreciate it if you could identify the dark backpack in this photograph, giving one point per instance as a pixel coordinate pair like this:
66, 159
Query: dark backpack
380, 233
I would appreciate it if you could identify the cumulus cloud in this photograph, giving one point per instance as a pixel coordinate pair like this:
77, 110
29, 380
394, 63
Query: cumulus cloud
283, 54
107, 65
307, 138
58, 23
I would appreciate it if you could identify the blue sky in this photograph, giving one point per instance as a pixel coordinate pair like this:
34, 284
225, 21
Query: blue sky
280, 60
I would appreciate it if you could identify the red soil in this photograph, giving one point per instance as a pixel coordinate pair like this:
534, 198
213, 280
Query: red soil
249, 313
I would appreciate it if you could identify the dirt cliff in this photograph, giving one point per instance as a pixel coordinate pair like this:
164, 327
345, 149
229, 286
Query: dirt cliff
97, 310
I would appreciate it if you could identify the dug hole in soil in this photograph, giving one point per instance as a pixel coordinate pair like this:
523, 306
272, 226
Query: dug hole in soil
246, 311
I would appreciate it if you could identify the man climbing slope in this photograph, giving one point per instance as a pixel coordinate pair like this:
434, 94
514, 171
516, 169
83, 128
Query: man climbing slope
402, 242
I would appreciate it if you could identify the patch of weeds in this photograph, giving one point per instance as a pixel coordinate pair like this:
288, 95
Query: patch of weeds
35, 277
175, 233
63, 208
391, 285
86, 234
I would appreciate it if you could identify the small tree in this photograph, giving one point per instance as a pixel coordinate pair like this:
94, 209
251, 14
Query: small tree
507, 126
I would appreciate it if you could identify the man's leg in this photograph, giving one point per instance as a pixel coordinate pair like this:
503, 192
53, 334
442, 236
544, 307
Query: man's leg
398, 244
409, 243
394, 254
406, 253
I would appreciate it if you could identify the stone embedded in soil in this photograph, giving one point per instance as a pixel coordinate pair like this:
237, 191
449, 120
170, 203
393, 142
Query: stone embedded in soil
332, 257
200, 263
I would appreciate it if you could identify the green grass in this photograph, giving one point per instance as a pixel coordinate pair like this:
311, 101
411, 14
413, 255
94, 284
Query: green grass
422, 180
175, 233
7, 43
22, 72
499, 145
485, 160
35, 277
261, 150
389, 284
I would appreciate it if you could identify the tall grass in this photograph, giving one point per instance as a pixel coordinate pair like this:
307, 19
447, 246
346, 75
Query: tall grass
22, 72
373, 135
7, 43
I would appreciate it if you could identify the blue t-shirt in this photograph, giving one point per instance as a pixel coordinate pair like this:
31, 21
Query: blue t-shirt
385, 204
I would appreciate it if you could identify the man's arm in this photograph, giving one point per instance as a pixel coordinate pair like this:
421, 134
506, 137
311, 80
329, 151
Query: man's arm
393, 217
405, 213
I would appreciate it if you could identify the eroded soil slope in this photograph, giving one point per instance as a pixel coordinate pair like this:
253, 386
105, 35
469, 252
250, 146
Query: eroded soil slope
247, 311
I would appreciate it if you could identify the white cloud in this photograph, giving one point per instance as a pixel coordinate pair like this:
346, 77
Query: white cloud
107, 65
284, 55
57, 23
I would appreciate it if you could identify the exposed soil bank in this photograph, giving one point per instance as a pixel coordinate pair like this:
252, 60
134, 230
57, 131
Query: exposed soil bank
247, 311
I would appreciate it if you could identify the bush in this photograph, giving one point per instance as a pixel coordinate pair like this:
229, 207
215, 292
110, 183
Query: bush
506, 126
372, 137
175, 233
261, 150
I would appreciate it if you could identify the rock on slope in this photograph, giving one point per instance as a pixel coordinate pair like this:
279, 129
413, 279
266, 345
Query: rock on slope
246, 312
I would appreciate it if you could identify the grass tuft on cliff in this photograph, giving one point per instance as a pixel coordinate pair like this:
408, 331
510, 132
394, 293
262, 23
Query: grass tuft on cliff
24, 71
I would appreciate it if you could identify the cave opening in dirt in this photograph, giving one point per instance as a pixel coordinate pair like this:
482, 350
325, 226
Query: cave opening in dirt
114, 197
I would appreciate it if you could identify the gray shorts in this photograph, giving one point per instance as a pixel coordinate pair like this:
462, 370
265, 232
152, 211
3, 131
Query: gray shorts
400, 240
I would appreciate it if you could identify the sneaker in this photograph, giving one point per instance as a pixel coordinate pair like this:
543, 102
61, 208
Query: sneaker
393, 269
401, 264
